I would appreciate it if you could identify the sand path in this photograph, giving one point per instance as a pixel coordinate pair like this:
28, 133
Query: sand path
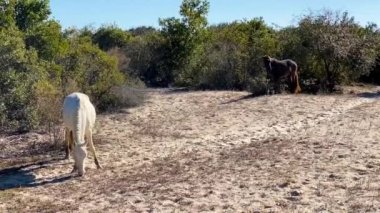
214, 151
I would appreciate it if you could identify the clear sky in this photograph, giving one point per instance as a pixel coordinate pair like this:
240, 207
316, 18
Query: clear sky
133, 13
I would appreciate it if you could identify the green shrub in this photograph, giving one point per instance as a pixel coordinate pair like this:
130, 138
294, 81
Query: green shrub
20, 69
90, 69
131, 94
258, 86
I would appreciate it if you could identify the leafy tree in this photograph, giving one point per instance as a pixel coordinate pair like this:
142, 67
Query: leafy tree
145, 58
93, 71
372, 31
29, 13
142, 31
40, 64
339, 49
108, 37
20, 71
234, 54
72, 32
7, 10
183, 40
47, 39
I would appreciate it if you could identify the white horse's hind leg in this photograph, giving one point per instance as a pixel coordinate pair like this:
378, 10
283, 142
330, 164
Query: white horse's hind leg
67, 143
92, 148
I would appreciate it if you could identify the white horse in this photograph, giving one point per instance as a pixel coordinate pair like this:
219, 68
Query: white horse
79, 119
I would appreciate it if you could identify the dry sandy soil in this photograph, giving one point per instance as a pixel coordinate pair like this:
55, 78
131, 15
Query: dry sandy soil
209, 151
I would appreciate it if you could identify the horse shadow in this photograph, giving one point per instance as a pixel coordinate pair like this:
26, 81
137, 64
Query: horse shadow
177, 90
369, 94
23, 176
245, 97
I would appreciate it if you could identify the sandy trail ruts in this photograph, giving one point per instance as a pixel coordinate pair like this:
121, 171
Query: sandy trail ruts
217, 151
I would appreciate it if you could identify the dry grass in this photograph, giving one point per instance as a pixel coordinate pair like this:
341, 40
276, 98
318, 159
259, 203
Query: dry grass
210, 151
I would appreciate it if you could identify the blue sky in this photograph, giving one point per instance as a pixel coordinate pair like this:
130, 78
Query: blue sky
133, 13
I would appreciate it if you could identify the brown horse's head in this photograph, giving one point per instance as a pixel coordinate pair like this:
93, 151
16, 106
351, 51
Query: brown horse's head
267, 64
266, 58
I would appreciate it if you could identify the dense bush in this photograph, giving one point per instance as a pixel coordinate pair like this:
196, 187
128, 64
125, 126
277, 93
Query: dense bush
94, 71
39, 65
108, 37
21, 70
234, 52
144, 55
331, 48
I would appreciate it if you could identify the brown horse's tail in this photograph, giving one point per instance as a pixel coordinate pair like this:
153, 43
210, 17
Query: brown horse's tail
296, 82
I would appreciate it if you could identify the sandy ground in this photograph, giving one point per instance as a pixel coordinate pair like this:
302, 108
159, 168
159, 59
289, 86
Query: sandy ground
209, 151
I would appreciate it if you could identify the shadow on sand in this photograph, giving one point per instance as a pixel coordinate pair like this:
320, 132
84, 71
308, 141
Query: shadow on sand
369, 94
178, 90
245, 97
23, 176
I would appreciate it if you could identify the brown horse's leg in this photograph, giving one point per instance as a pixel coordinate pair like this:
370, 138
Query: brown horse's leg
292, 78
297, 87
291, 83
294, 81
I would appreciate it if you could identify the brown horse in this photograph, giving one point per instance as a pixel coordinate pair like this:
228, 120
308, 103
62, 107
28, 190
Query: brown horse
279, 69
